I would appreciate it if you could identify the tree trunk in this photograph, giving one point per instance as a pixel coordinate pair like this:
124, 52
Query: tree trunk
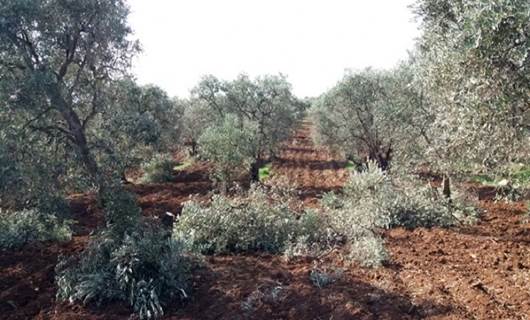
382, 157
123, 178
76, 131
446, 186
193, 148
224, 187
254, 169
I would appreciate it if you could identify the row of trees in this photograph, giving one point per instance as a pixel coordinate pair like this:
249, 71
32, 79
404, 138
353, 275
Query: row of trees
242, 121
73, 118
70, 114
461, 103
368, 115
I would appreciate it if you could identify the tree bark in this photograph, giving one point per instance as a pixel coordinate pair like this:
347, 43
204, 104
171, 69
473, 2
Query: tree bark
446, 186
254, 169
193, 148
381, 156
76, 130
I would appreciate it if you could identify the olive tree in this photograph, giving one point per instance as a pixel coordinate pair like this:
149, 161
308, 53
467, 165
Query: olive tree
473, 62
142, 121
366, 115
264, 105
57, 58
30, 174
64, 97
230, 148
196, 118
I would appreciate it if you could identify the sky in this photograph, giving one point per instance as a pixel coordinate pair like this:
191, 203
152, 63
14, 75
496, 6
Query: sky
312, 42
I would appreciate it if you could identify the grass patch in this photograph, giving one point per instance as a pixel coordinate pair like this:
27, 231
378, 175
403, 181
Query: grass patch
484, 179
350, 166
182, 166
522, 176
265, 172
519, 175
159, 169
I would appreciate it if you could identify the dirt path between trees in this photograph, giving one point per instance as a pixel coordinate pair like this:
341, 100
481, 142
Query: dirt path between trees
313, 170
473, 272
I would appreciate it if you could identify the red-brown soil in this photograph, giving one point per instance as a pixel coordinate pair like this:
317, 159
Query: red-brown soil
312, 170
480, 271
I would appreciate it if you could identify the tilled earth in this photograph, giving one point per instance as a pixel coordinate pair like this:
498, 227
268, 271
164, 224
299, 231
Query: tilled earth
312, 170
480, 271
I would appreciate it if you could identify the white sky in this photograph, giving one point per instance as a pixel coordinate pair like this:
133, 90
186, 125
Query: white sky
310, 41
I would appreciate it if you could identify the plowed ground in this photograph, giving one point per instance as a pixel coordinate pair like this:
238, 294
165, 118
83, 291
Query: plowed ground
310, 169
474, 272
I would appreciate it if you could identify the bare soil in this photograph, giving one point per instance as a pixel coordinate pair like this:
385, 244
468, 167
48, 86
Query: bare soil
480, 271
312, 170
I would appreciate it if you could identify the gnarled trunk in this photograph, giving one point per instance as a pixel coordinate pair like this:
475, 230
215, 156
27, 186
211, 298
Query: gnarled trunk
254, 169
76, 132
381, 155
446, 186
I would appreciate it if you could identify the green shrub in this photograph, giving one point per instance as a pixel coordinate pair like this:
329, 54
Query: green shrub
331, 200
368, 250
147, 269
321, 278
511, 185
522, 176
507, 190
394, 201
122, 213
350, 165
25, 226
159, 169
265, 172
52, 204
373, 200
230, 148
253, 222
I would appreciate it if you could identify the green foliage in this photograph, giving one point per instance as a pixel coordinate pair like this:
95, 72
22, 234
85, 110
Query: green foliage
472, 69
264, 107
122, 214
258, 221
367, 115
196, 118
264, 172
159, 169
51, 90
141, 119
522, 176
147, 269
484, 179
21, 227
182, 166
129, 261
373, 200
331, 200
508, 191
229, 147
29, 178
368, 251
511, 184
351, 166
